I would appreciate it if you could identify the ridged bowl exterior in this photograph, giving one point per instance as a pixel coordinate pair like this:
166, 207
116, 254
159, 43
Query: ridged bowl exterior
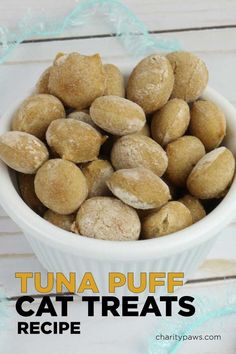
56, 260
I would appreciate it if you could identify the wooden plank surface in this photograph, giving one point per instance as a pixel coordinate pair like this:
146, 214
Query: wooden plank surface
119, 335
156, 14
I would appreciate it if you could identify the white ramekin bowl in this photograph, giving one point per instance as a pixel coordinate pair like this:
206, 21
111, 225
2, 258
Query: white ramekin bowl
61, 251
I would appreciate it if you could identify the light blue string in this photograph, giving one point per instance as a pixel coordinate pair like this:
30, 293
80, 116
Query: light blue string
202, 320
123, 21
185, 326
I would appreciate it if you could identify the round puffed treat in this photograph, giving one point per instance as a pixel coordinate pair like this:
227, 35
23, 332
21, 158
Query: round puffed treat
139, 151
97, 172
172, 217
170, 122
36, 113
139, 188
22, 152
74, 140
208, 123
115, 84
212, 175
117, 115
107, 218
183, 154
191, 75
195, 207
77, 79
144, 131
61, 186
83, 117
42, 84
26, 187
63, 221
151, 83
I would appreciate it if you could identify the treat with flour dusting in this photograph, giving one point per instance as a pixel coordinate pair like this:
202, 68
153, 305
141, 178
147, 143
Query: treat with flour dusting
195, 207
190, 75
61, 186
36, 113
117, 115
212, 175
170, 122
22, 152
136, 150
107, 218
103, 159
97, 172
115, 84
183, 154
77, 79
172, 217
74, 140
65, 222
208, 123
139, 188
42, 84
151, 83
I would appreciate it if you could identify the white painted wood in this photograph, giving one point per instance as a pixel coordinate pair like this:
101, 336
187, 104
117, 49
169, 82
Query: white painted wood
127, 335
156, 14
16, 255
217, 48
14, 244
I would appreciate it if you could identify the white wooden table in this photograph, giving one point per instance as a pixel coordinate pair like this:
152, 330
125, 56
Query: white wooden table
206, 27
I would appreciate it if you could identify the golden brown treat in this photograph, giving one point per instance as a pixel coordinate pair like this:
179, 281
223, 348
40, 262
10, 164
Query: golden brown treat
26, 187
183, 154
170, 122
139, 151
83, 117
144, 131
77, 79
22, 152
172, 217
74, 140
117, 116
61, 186
191, 75
96, 173
63, 221
139, 188
42, 84
36, 113
58, 55
212, 175
143, 213
195, 207
115, 84
107, 218
208, 123
151, 83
